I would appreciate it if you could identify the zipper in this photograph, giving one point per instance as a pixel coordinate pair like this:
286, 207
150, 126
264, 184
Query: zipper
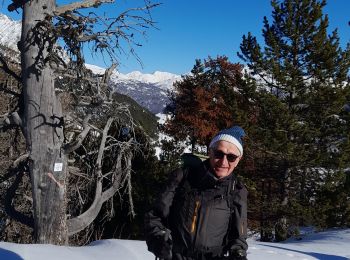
194, 218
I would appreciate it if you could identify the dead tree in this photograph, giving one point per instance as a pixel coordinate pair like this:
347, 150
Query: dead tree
60, 121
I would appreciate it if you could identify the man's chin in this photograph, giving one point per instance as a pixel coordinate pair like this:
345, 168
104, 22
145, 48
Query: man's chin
221, 173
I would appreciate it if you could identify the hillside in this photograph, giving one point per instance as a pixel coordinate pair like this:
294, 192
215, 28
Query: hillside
141, 115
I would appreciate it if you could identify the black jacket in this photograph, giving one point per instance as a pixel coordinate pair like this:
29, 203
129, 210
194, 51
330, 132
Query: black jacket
206, 215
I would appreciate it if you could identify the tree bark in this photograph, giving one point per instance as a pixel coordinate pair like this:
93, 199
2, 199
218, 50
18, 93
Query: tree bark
42, 124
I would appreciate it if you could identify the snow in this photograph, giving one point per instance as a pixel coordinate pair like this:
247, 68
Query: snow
95, 69
164, 79
10, 32
155, 77
328, 245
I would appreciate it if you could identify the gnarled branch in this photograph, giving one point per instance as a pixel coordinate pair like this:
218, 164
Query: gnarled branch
79, 140
9, 208
7, 69
9, 120
80, 5
80, 222
20, 159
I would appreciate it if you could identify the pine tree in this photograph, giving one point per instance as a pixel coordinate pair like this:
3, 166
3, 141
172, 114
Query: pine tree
302, 73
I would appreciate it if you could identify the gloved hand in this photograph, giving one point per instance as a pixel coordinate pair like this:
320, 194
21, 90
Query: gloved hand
161, 244
237, 254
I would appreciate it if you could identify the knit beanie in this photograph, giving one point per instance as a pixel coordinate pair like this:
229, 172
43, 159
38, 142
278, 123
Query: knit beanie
232, 135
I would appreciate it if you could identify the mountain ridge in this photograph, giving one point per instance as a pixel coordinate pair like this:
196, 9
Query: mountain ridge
148, 90
10, 32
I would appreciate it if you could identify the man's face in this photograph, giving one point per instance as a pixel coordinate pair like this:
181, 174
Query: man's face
224, 158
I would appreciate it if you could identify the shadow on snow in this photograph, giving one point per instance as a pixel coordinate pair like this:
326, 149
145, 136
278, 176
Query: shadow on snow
316, 255
9, 255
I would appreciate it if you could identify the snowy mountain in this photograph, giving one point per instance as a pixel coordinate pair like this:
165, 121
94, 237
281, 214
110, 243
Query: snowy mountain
10, 32
148, 90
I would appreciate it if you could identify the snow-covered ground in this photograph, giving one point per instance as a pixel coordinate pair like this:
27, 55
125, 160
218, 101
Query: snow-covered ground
329, 245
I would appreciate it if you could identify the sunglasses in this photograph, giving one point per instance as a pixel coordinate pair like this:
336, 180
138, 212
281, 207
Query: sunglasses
229, 156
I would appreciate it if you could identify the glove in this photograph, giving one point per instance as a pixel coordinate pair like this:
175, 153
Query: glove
238, 254
161, 244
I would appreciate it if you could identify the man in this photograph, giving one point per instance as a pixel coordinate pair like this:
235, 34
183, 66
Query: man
202, 212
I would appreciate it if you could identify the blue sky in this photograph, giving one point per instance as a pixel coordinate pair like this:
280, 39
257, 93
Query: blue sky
195, 29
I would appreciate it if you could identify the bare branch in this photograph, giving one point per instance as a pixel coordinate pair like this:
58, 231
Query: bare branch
79, 140
70, 118
80, 222
108, 73
10, 209
12, 119
20, 159
96, 36
7, 69
80, 5
77, 172
109, 193
15, 5
102, 147
79, 28
131, 202
8, 91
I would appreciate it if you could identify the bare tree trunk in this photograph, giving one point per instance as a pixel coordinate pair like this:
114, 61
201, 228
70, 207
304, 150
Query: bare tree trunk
43, 126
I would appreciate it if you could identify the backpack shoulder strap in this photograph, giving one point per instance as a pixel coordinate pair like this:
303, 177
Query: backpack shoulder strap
237, 201
193, 161
236, 192
231, 193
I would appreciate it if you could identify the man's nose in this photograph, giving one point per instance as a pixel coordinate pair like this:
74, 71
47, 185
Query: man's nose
224, 160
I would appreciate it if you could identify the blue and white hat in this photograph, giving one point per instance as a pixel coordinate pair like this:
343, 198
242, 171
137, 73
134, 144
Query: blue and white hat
232, 135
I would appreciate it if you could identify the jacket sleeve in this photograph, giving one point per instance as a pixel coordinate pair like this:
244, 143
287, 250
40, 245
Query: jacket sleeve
155, 219
238, 230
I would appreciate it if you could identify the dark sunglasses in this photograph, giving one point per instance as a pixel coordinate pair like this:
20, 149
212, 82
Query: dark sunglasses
229, 156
